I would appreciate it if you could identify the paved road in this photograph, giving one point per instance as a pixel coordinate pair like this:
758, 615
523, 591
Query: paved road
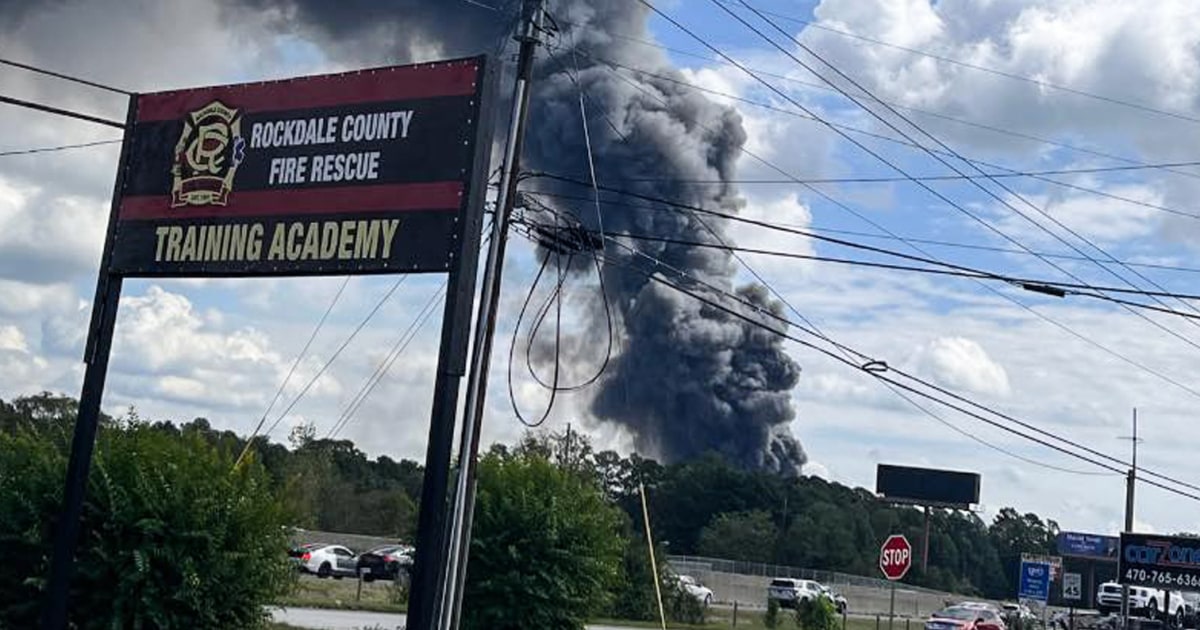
352, 620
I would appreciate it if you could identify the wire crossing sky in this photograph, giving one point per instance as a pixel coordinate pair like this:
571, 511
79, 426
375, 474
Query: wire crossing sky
910, 127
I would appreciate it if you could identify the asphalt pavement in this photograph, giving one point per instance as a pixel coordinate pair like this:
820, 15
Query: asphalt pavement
317, 619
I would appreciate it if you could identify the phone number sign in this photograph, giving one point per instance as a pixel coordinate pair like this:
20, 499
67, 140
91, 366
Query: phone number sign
1158, 561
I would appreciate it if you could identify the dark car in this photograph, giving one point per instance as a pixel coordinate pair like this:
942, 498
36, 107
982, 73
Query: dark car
385, 563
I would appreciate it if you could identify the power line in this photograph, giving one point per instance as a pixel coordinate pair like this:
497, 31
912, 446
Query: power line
1006, 171
333, 357
60, 112
381, 370
876, 368
292, 370
951, 268
1067, 329
1007, 174
904, 239
936, 156
65, 77
63, 147
1038, 82
794, 310
884, 230
925, 112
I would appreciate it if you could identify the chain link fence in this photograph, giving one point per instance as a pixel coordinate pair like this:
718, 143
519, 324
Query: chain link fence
746, 583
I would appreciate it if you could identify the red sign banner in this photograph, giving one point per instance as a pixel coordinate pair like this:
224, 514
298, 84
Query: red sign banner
360, 172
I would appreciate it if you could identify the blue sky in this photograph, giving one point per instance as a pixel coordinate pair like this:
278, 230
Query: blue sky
219, 348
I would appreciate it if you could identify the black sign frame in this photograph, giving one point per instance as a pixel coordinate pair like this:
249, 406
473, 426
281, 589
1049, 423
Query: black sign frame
460, 268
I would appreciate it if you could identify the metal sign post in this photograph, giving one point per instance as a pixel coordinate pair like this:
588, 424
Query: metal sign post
370, 172
96, 352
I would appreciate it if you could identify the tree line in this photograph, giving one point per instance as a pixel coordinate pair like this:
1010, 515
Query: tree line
701, 507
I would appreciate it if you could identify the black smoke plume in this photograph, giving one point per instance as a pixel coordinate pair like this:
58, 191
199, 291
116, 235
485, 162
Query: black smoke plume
689, 378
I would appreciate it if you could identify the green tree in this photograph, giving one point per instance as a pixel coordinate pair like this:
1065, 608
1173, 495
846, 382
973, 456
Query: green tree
740, 536
171, 536
546, 547
816, 614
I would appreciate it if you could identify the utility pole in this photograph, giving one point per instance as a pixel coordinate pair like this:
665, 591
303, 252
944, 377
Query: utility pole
485, 328
1130, 481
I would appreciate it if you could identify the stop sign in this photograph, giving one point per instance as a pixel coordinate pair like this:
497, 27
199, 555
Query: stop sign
895, 557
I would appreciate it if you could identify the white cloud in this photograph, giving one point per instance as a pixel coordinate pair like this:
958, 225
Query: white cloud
962, 363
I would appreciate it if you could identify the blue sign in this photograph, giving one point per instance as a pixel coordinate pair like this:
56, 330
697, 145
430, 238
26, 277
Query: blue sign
1088, 545
1035, 581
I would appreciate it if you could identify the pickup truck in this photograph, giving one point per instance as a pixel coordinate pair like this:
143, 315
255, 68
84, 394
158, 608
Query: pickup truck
1143, 601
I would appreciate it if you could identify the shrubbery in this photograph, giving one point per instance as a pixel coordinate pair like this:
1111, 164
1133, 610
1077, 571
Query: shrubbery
816, 614
170, 538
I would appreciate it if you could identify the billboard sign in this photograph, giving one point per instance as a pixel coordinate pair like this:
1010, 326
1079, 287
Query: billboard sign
1083, 545
927, 486
1169, 562
359, 172
1035, 581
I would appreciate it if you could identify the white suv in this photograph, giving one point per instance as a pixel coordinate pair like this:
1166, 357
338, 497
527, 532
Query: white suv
1148, 602
789, 592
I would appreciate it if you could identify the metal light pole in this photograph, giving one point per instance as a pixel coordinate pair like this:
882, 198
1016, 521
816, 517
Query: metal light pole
485, 326
1130, 481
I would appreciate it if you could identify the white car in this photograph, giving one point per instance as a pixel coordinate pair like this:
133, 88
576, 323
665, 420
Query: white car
839, 601
1147, 602
693, 587
789, 591
326, 561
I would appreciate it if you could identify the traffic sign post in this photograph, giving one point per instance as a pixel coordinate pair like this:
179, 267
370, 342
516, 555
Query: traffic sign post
895, 559
1072, 587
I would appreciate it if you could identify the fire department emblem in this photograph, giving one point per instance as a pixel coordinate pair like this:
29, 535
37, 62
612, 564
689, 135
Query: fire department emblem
207, 156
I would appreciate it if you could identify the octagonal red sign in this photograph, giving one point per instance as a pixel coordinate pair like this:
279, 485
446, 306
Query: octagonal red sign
895, 557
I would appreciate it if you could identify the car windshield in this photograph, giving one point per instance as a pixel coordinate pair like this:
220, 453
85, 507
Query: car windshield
783, 583
383, 551
960, 613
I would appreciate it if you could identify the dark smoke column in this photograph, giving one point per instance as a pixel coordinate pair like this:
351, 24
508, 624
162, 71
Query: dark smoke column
690, 378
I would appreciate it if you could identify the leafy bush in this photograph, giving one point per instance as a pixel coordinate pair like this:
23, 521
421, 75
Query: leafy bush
771, 618
816, 614
681, 605
170, 537
546, 546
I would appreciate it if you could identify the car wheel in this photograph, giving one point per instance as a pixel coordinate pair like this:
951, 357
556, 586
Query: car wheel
707, 601
1152, 609
368, 577
393, 571
324, 571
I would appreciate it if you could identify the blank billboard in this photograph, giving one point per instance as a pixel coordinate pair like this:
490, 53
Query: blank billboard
927, 485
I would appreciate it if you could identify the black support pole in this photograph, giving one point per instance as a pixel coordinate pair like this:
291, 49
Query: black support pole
429, 565
96, 353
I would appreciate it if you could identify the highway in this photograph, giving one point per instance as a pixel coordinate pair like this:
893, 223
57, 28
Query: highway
318, 619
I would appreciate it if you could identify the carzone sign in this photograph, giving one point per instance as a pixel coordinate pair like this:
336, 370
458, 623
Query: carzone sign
1159, 561
360, 172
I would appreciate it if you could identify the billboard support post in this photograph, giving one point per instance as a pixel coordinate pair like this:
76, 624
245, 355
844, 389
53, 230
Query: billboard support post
96, 352
925, 544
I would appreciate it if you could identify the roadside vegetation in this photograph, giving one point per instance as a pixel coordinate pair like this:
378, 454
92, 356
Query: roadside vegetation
173, 531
